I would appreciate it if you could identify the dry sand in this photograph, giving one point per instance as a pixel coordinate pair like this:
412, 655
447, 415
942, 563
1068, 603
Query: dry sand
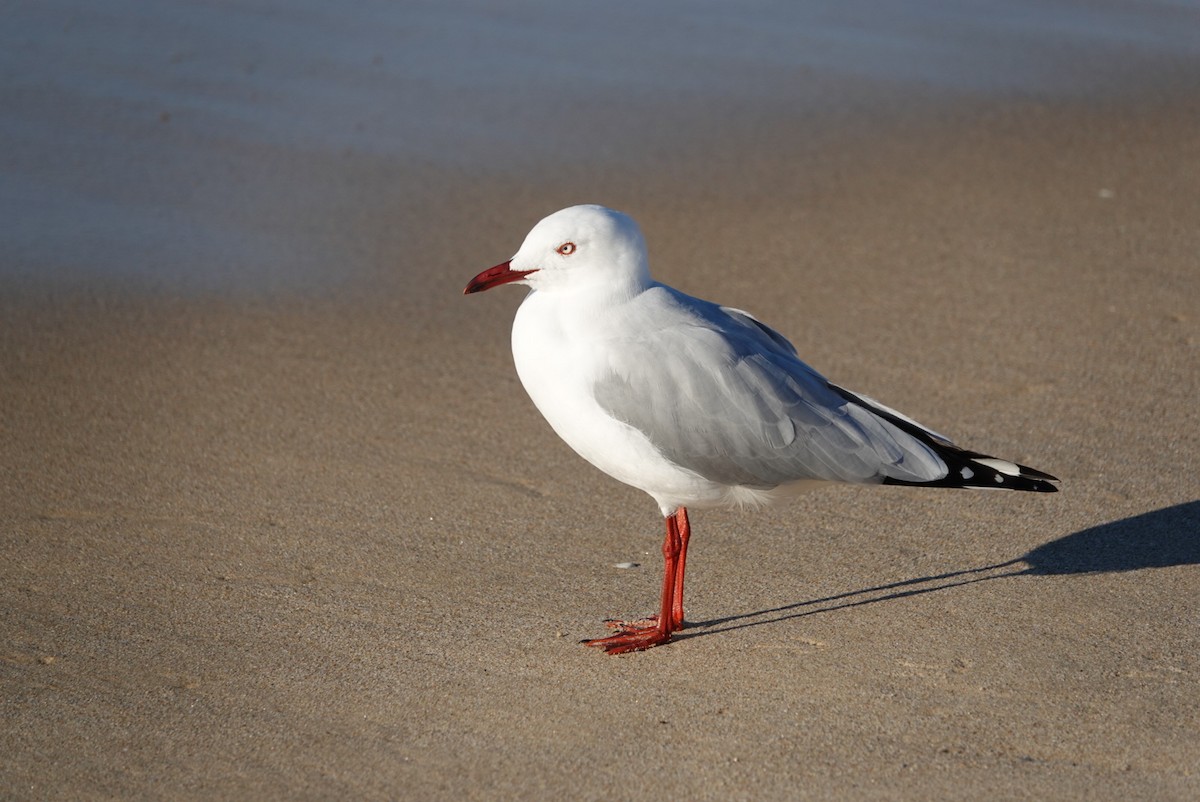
307, 538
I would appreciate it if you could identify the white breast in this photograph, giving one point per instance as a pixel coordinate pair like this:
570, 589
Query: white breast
560, 351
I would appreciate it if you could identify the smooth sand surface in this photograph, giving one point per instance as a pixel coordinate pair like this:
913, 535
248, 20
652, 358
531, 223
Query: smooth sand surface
289, 528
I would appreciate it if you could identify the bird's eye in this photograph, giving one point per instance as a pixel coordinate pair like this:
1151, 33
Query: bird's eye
566, 249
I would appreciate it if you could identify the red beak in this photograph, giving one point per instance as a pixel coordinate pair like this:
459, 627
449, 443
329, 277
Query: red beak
494, 277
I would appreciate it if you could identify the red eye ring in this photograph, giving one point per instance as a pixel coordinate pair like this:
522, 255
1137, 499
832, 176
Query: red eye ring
566, 249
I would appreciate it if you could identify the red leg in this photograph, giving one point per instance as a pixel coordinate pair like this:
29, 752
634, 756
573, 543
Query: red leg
685, 532
639, 635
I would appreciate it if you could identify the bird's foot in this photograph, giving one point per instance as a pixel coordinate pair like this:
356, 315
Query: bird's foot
631, 638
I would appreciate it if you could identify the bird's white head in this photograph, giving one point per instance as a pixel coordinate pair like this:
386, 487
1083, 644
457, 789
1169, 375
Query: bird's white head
577, 247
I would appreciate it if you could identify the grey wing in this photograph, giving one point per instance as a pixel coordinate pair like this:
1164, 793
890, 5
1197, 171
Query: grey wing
727, 398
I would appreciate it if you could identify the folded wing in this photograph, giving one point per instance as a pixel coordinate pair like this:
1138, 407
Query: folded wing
742, 409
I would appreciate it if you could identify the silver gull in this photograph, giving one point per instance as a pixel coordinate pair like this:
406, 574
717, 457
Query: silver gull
697, 404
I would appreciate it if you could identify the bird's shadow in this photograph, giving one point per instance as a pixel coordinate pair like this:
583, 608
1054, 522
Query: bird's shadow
1158, 539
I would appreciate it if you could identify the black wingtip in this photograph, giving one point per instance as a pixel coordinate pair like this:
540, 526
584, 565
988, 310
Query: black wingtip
964, 468
968, 469
1040, 481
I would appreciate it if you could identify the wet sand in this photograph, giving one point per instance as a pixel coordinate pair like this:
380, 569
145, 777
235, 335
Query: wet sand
288, 527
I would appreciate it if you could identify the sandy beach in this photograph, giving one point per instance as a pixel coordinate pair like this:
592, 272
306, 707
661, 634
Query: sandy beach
279, 521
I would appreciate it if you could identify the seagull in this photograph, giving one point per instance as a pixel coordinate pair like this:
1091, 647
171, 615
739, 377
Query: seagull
696, 404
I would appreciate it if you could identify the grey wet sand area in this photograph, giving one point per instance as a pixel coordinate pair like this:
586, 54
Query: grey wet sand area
291, 529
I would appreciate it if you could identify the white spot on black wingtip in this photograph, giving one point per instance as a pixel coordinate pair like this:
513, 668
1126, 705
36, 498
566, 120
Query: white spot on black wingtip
999, 477
966, 472
1001, 465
